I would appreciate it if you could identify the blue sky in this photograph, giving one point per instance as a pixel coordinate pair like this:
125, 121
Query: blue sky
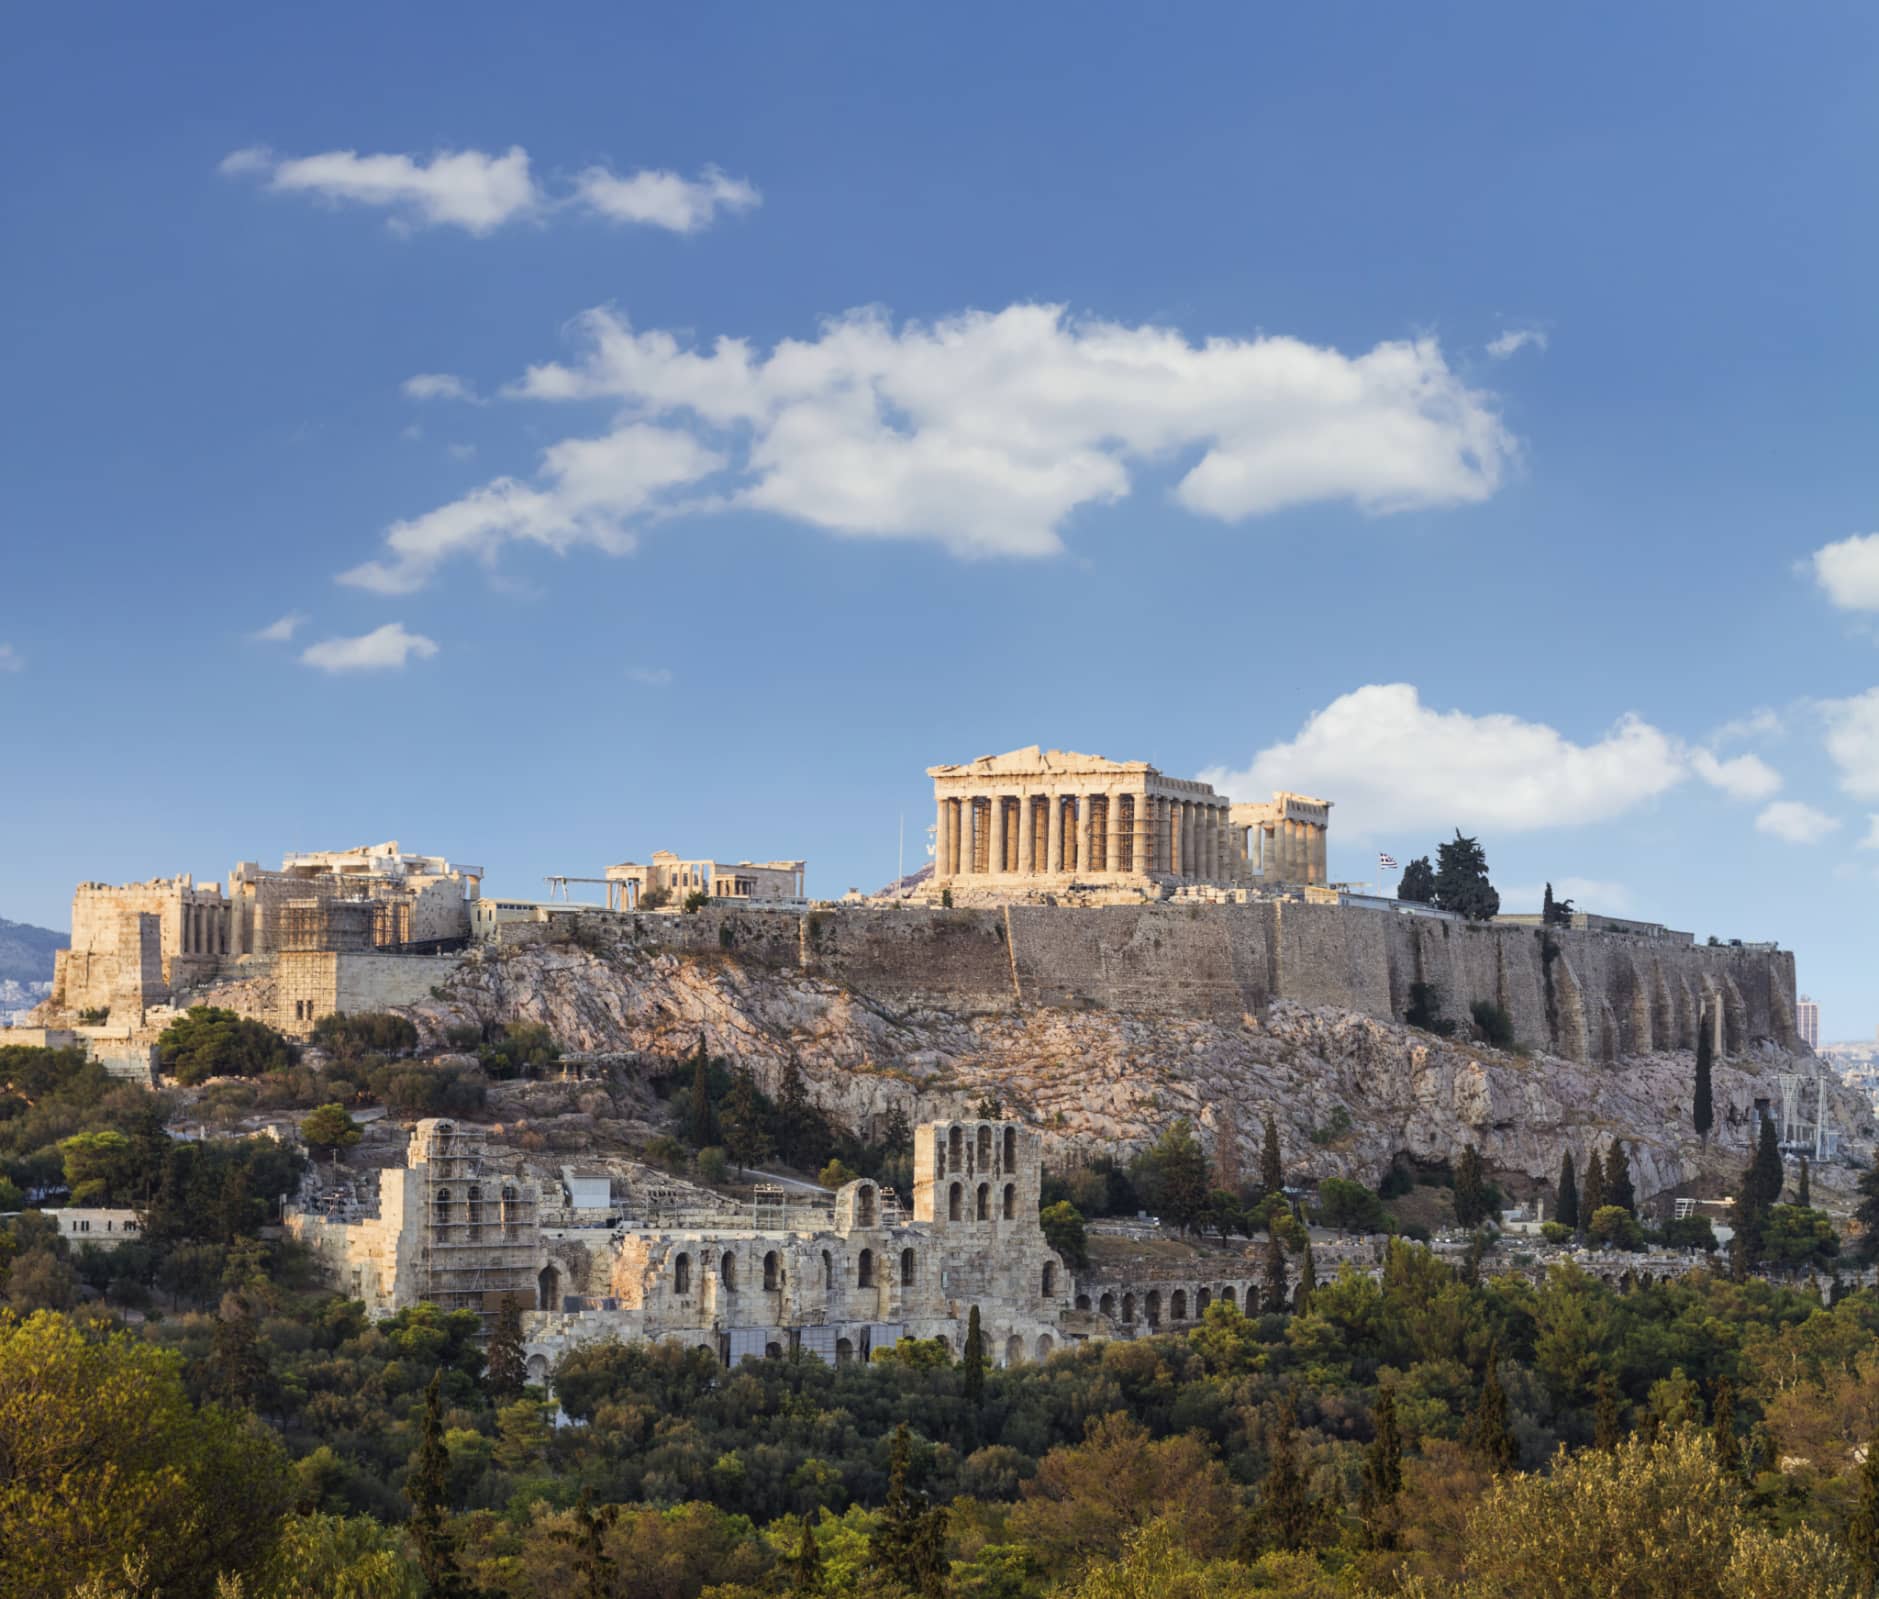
1462, 415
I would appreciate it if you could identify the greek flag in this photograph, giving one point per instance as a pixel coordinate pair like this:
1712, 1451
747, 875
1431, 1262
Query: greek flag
1385, 863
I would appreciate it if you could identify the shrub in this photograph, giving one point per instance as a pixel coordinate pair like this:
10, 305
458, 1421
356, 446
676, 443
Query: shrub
1689, 1232
835, 1174
330, 1127
1425, 1006
526, 1049
1613, 1224
349, 1038
712, 1166
1555, 1232
1496, 1026
696, 901
1064, 1232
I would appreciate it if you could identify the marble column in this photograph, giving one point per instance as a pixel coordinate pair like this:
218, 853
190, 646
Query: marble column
1319, 860
1086, 833
1054, 835
998, 862
1112, 860
942, 856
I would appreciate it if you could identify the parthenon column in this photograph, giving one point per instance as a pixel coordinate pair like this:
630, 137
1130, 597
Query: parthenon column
962, 835
1320, 873
1086, 832
1112, 858
997, 861
942, 841
1054, 835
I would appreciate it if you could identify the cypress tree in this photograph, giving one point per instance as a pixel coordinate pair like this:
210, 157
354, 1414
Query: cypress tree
1862, 1534
1277, 1297
1490, 1433
1471, 1202
807, 1577
1761, 1188
1606, 1427
593, 1566
1566, 1205
1546, 907
974, 1361
1722, 1429
428, 1489
1865, 1248
1618, 1189
1804, 1187
1703, 1110
1282, 1496
505, 1371
1271, 1168
238, 1365
1307, 1282
1591, 1191
746, 1134
1382, 1478
890, 1545
701, 1123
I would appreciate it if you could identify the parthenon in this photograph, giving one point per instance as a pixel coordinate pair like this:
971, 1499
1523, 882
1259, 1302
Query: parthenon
1053, 817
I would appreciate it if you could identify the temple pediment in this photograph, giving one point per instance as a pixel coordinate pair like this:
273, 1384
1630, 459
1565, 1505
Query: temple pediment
1033, 759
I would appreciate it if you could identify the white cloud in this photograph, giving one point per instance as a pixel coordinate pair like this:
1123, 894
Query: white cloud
1871, 840
1795, 822
461, 452
1513, 340
1744, 777
664, 199
467, 189
592, 488
387, 646
650, 676
279, 632
439, 386
480, 192
1849, 572
986, 431
1853, 741
1389, 761
1762, 723
11, 660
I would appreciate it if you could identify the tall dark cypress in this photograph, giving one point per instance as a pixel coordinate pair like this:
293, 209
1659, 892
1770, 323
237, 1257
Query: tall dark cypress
1278, 1298
1283, 1497
1722, 1428
1382, 1478
701, 1123
1703, 1109
1307, 1281
1566, 1204
1607, 1429
1271, 1168
974, 1361
1591, 1191
1618, 1189
428, 1489
1862, 1533
593, 1566
505, 1368
806, 1579
1804, 1187
1490, 1433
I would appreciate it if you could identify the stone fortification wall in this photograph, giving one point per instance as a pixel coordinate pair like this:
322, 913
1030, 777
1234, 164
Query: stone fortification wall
1589, 995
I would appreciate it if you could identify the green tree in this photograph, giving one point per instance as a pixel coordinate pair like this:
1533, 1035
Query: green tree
1760, 1188
1490, 1433
1722, 1428
330, 1127
1865, 1250
238, 1364
1804, 1187
1307, 1281
1064, 1232
1613, 1224
1461, 880
339, 1557
1703, 1109
1418, 884
1795, 1237
428, 1489
806, 1570
1607, 1429
1862, 1533
101, 1168
802, 1135
593, 1566
104, 1459
746, 1135
505, 1372
1471, 1198
1618, 1187
1566, 1200
1555, 912
908, 1542
207, 1041
1175, 1177
973, 1364
1382, 1477
1278, 1295
1271, 1166
1284, 1500
701, 1120
1592, 1190
1348, 1206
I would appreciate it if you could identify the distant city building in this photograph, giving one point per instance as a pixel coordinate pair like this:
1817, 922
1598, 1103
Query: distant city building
1807, 1021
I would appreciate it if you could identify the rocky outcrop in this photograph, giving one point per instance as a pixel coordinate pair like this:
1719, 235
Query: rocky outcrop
1349, 1092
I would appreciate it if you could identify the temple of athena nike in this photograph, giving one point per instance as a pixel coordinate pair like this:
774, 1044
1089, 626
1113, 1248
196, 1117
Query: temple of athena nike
1045, 821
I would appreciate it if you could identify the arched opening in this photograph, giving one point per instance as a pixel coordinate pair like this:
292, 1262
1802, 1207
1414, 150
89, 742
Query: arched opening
772, 1351
772, 1271
1044, 1345
1226, 1296
939, 1154
1011, 1149
864, 1269
1107, 1305
954, 1197
985, 1149
1050, 1279
844, 1351
1011, 1202
906, 1268
985, 1202
1014, 1350
1177, 1305
1202, 1300
548, 1289
1128, 1307
473, 1212
538, 1369
1151, 1307
864, 1205
1083, 1301
682, 1274
727, 1271
441, 1207
509, 1209
956, 1148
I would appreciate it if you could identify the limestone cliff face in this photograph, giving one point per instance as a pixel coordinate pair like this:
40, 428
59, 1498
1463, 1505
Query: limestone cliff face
1096, 1080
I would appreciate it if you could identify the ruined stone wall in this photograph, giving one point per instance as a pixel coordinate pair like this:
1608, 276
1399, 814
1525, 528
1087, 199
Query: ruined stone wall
311, 985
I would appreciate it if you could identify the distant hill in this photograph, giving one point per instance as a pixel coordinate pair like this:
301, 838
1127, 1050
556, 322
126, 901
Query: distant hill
26, 952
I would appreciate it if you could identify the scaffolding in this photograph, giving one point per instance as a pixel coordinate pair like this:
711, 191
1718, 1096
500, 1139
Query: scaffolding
481, 1230
1802, 1134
